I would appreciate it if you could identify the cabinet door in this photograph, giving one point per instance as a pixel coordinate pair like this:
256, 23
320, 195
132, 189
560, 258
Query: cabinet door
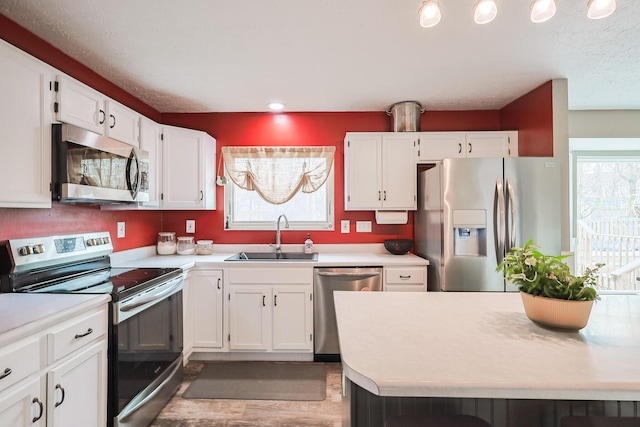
79, 105
24, 406
398, 171
182, 168
249, 317
434, 146
363, 171
122, 123
292, 318
150, 141
26, 133
206, 296
487, 144
77, 389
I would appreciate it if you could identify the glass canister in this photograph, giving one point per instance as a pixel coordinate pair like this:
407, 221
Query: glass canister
166, 243
186, 245
204, 247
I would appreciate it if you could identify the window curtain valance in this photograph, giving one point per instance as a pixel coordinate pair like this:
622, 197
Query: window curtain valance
278, 173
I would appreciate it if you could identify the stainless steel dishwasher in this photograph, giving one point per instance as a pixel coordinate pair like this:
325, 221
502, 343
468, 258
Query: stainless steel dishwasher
325, 281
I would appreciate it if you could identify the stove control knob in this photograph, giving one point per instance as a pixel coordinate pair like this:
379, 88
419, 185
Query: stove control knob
38, 249
91, 242
24, 251
105, 240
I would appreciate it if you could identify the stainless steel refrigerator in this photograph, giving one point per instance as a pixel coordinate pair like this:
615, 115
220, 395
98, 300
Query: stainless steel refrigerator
471, 211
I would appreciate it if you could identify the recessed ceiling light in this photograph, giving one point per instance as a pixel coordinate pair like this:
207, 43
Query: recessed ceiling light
276, 106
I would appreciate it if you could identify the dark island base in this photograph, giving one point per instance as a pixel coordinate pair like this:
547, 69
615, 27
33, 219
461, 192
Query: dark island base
364, 409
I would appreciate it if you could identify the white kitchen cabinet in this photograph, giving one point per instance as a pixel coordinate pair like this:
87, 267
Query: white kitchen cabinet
270, 309
57, 376
76, 389
151, 142
23, 405
405, 279
435, 146
188, 169
25, 115
205, 292
379, 171
82, 106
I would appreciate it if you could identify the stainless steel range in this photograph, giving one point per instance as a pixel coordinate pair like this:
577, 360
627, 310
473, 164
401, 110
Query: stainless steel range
145, 338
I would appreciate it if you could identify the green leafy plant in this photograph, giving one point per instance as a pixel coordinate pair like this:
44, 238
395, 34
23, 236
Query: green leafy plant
545, 275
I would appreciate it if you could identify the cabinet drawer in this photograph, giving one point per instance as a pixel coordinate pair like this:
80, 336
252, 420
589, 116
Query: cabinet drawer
18, 361
75, 334
405, 275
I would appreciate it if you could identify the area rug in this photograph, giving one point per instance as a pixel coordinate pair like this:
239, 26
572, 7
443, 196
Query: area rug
259, 381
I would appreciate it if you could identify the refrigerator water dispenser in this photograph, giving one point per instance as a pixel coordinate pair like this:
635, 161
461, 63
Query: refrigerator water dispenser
470, 232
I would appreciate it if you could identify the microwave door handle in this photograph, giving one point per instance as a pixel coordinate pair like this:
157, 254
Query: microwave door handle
134, 186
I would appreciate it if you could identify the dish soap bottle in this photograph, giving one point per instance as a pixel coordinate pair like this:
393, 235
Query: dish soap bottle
308, 245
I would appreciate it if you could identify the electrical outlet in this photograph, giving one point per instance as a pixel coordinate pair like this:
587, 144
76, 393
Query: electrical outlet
120, 230
345, 226
363, 226
191, 226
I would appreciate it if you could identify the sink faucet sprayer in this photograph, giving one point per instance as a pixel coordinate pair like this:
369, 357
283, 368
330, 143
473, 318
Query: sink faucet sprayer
286, 224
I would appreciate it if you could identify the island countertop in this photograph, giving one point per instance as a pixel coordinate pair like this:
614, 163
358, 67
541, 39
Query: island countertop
482, 345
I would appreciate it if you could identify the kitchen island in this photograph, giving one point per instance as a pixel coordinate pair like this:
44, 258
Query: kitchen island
478, 353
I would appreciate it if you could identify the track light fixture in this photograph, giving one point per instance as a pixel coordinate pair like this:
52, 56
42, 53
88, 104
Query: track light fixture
485, 11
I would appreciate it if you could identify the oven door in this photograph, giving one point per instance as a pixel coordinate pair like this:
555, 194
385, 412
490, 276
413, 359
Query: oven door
88, 167
146, 353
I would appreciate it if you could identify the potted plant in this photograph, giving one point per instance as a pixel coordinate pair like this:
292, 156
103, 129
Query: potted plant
551, 295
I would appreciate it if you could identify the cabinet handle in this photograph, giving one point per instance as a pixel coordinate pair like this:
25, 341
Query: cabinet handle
85, 334
41, 410
6, 373
103, 117
218, 283
263, 300
470, 147
405, 277
111, 116
275, 300
459, 148
385, 195
379, 196
201, 195
59, 387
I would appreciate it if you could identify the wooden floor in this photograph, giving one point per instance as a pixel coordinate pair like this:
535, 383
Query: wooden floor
181, 412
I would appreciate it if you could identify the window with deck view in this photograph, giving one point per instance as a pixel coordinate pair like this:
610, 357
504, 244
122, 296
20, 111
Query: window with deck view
606, 215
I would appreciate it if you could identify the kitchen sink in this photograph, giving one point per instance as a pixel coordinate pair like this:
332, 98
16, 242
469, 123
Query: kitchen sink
273, 256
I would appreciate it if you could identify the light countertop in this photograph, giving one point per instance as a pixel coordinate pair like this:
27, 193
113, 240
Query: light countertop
328, 255
446, 344
23, 314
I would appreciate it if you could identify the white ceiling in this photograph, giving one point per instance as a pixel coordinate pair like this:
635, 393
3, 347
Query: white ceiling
340, 55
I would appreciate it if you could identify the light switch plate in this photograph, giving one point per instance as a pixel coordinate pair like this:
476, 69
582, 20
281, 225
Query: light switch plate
191, 226
120, 230
363, 226
345, 226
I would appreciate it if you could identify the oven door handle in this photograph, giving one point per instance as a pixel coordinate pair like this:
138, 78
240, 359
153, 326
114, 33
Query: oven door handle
154, 297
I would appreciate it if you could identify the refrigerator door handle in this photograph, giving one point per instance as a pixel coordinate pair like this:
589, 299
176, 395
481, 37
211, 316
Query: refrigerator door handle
499, 221
512, 224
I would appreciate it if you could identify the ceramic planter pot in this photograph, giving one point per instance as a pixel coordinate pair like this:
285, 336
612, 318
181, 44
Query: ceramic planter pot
557, 313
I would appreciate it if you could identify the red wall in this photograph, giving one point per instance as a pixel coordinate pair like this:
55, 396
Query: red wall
241, 129
532, 116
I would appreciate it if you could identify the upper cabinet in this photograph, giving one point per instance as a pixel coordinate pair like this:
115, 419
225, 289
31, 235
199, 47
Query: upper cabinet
151, 142
379, 171
82, 106
433, 146
188, 169
25, 115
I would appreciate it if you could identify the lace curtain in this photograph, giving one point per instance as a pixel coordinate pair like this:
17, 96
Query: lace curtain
278, 173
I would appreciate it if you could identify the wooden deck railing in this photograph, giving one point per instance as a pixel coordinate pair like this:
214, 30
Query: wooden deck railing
617, 245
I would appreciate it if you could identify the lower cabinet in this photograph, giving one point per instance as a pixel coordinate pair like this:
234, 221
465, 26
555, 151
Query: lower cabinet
405, 279
270, 310
52, 379
206, 295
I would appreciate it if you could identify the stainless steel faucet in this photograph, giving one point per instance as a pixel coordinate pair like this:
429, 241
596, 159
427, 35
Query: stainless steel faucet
286, 224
